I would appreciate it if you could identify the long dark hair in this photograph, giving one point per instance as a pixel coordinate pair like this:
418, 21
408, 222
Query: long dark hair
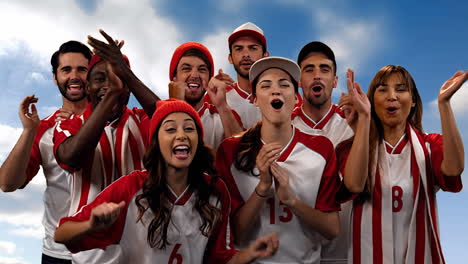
155, 192
376, 129
248, 149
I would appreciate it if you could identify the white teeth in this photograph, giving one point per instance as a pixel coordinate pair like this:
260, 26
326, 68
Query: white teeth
193, 85
74, 86
181, 148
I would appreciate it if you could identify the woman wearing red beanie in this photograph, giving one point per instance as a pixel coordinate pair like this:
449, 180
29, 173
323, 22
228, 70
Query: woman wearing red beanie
173, 212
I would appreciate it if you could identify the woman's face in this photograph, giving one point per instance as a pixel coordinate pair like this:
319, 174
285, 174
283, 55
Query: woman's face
393, 101
178, 140
275, 96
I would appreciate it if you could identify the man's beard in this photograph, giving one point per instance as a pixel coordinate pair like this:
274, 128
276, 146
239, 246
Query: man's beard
240, 73
316, 101
194, 100
63, 91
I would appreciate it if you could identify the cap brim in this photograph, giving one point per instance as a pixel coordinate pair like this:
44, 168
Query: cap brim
247, 33
284, 64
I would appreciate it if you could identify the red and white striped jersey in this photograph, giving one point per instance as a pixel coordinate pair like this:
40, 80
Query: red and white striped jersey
212, 124
399, 223
311, 165
335, 127
120, 151
57, 192
186, 242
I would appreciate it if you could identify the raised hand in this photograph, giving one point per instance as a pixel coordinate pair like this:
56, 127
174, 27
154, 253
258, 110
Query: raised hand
217, 91
266, 156
105, 214
29, 119
115, 83
109, 51
451, 86
224, 77
355, 103
283, 188
264, 246
177, 89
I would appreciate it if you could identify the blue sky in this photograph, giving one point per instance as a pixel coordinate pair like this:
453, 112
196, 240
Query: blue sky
428, 39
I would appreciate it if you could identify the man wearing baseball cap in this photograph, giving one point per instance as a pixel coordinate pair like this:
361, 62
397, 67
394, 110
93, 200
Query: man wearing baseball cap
191, 71
247, 44
318, 116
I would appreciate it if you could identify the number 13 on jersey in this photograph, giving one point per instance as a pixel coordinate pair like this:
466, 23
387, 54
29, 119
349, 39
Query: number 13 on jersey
285, 215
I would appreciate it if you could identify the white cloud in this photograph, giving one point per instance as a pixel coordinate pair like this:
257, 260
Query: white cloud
352, 40
5, 260
218, 45
7, 247
8, 137
150, 38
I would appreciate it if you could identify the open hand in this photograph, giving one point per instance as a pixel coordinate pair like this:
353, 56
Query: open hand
29, 119
451, 86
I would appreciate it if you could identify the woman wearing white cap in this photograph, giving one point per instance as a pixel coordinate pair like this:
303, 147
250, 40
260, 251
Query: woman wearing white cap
280, 179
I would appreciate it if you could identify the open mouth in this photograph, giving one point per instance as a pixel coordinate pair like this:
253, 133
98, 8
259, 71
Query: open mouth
392, 109
193, 86
277, 104
181, 151
75, 88
317, 90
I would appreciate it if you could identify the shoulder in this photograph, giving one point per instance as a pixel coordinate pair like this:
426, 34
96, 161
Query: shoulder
337, 111
296, 112
317, 143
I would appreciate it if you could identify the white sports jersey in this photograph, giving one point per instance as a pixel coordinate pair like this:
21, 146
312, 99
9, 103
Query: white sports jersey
333, 126
186, 242
311, 164
120, 151
57, 193
212, 124
239, 100
399, 223
401, 181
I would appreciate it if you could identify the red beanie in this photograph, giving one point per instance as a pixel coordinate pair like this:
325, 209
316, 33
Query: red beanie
95, 59
182, 49
169, 106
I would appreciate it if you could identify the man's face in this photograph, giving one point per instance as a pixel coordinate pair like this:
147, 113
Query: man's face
99, 85
195, 73
317, 79
71, 75
245, 51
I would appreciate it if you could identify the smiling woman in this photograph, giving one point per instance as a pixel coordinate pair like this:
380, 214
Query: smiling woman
406, 169
177, 210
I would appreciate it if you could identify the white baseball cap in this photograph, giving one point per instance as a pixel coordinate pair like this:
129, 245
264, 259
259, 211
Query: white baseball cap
281, 63
248, 29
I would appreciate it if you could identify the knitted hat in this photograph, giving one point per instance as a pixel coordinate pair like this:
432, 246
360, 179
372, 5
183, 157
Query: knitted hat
169, 106
95, 59
182, 49
248, 29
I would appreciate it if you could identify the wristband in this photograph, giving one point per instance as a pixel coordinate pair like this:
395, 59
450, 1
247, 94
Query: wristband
259, 195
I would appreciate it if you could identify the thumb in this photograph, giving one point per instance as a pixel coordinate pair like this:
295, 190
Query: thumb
220, 71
